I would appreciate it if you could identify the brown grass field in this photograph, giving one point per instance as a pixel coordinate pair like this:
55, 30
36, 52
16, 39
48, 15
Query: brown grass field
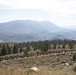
47, 65
59, 70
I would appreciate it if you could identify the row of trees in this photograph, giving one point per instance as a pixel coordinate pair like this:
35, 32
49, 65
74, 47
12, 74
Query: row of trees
12, 48
9, 49
54, 44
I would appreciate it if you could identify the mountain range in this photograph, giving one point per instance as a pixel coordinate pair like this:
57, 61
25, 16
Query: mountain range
28, 30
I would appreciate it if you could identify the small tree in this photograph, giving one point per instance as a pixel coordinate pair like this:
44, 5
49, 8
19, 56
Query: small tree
3, 50
71, 46
58, 46
25, 52
74, 57
15, 49
45, 46
63, 46
20, 50
9, 50
50, 47
54, 46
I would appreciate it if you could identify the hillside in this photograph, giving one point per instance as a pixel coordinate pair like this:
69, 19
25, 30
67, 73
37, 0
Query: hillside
27, 30
28, 26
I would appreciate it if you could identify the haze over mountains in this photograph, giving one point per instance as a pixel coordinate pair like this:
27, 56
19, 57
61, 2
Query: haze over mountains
7, 13
28, 30
10, 13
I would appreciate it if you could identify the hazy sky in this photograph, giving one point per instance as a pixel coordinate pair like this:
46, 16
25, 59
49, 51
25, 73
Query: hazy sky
61, 12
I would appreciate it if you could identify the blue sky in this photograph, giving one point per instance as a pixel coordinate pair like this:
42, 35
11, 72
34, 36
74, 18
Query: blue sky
60, 12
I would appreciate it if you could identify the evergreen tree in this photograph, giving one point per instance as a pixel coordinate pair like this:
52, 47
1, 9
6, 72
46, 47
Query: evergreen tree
58, 46
71, 46
74, 57
65, 41
20, 50
26, 52
28, 46
3, 50
45, 46
63, 46
9, 50
50, 47
54, 46
15, 49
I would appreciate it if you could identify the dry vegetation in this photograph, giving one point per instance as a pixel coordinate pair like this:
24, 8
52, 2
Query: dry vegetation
20, 71
58, 70
47, 65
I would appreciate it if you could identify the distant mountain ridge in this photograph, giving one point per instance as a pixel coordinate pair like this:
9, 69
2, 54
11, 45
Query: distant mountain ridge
28, 26
28, 30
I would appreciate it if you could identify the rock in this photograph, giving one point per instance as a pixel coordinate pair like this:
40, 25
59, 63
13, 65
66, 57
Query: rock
35, 69
66, 64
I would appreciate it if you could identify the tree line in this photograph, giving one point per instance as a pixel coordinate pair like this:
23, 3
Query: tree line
13, 48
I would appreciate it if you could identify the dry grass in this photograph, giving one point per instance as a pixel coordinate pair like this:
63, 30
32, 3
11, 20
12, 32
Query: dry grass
58, 70
21, 71
45, 64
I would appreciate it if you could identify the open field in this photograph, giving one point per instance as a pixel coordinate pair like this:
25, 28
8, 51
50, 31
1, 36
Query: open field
47, 65
59, 70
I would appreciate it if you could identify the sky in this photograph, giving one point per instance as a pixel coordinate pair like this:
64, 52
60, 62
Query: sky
59, 12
